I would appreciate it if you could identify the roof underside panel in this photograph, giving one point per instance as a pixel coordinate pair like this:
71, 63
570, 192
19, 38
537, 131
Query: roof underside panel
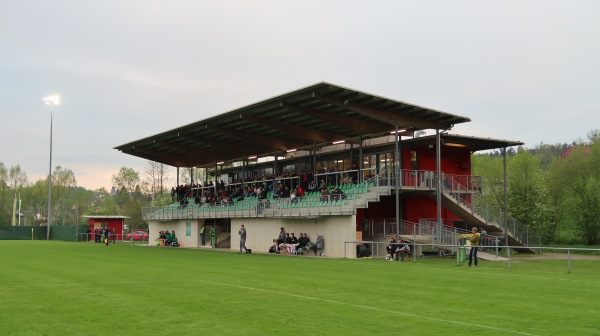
308, 117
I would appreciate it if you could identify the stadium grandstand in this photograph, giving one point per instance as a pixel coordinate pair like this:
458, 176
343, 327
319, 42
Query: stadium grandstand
329, 160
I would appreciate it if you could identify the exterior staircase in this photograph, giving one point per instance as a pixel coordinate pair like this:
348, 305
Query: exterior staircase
460, 196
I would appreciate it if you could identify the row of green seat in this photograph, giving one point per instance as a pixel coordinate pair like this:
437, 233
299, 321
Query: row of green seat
312, 199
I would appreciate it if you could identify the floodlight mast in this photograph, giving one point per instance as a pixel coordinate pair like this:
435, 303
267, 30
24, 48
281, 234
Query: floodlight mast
51, 101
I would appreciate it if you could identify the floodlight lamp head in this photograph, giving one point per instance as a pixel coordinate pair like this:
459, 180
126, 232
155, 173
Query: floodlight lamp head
52, 100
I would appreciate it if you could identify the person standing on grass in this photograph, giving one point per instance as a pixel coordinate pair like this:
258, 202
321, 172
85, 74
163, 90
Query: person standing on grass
242, 234
106, 235
281, 237
319, 245
213, 237
202, 235
474, 246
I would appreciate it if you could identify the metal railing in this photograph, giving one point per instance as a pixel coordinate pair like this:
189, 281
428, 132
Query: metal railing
462, 189
424, 232
506, 256
353, 197
492, 215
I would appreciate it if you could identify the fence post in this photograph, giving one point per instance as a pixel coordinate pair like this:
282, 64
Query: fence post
569, 254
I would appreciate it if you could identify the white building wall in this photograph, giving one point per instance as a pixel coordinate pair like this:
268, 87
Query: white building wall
186, 230
260, 232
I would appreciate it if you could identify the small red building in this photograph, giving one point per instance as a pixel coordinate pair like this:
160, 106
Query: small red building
116, 224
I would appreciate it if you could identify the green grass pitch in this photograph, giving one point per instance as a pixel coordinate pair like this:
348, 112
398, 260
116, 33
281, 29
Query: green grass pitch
67, 288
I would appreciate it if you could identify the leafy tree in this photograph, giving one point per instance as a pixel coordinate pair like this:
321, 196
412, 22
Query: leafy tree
528, 196
35, 202
127, 179
63, 181
129, 196
579, 179
490, 167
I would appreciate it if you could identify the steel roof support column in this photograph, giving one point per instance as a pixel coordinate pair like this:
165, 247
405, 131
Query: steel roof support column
275, 173
396, 181
314, 162
360, 160
438, 172
505, 205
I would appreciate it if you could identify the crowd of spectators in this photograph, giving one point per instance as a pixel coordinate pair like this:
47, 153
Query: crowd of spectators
288, 243
102, 234
287, 185
166, 238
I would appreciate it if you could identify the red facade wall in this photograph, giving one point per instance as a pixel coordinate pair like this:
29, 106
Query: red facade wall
454, 161
112, 223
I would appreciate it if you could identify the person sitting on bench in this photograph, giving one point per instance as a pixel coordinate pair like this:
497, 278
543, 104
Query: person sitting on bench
401, 250
170, 238
390, 249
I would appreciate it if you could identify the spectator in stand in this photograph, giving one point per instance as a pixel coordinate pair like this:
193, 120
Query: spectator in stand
286, 192
312, 186
322, 185
300, 191
354, 173
324, 195
294, 196
337, 194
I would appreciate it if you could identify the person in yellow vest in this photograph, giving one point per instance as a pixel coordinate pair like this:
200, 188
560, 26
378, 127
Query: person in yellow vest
474, 245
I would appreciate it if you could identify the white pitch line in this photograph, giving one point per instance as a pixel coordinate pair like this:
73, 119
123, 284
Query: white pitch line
369, 308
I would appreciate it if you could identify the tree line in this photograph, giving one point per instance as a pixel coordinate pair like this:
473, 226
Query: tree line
130, 192
553, 189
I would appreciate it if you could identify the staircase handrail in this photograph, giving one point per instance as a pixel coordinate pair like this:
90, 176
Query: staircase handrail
491, 213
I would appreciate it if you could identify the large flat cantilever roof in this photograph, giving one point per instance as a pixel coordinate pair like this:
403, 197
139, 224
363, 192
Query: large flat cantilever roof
316, 115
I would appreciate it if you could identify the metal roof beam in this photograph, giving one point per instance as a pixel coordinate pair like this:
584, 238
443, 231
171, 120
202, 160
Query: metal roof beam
263, 141
300, 132
389, 117
158, 157
238, 149
196, 152
359, 126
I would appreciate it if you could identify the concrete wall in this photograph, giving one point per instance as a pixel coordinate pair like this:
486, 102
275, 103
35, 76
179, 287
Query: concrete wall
187, 235
335, 230
260, 232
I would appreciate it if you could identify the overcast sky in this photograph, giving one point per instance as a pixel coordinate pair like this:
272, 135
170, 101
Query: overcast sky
128, 69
